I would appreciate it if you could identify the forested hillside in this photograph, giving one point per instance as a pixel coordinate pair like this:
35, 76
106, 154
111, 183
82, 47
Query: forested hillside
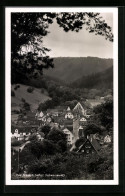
69, 69
99, 80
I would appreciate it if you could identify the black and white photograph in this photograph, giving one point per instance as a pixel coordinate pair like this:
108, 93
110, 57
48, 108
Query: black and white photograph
61, 96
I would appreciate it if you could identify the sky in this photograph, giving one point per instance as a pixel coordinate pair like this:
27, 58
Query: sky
81, 44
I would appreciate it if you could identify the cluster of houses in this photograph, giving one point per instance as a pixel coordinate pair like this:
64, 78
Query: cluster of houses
71, 121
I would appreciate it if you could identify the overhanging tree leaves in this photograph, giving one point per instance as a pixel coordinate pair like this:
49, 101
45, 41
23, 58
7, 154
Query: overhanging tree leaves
28, 54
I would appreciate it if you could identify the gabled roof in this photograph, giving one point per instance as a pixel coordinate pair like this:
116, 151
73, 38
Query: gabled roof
93, 141
78, 106
68, 108
80, 127
83, 117
78, 109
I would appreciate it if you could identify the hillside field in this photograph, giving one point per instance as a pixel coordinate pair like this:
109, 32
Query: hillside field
33, 98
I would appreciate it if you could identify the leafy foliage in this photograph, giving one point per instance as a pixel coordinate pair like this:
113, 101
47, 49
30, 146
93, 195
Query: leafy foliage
16, 143
26, 106
12, 93
23, 100
75, 21
73, 166
56, 135
61, 95
92, 129
26, 157
45, 129
16, 87
104, 114
28, 55
30, 89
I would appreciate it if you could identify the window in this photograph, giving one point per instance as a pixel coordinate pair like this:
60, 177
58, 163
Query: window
88, 146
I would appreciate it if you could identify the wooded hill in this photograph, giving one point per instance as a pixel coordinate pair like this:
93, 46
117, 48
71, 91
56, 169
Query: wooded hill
99, 80
70, 69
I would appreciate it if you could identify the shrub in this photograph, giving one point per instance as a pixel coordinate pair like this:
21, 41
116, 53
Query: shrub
26, 106
23, 100
12, 93
16, 111
30, 89
17, 143
16, 87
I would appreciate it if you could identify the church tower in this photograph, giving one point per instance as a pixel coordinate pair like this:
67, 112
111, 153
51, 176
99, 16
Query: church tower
76, 127
77, 111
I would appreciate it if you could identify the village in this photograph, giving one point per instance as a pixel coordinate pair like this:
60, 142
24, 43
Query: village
71, 122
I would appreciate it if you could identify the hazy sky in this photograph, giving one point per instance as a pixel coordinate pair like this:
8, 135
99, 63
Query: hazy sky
78, 44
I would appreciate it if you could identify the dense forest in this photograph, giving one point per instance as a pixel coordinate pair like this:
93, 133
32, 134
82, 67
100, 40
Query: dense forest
99, 80
70, 69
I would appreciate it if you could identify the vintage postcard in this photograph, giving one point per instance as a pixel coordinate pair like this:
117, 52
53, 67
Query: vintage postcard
61, 96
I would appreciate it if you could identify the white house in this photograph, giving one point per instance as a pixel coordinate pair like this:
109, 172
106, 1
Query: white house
43, 118
21, 135
107, 139
83, 119
49, 119
69, 136
69, 115
15, 134
39, 115
56, 125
